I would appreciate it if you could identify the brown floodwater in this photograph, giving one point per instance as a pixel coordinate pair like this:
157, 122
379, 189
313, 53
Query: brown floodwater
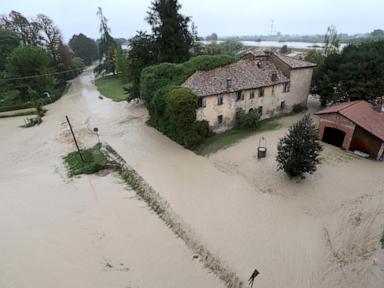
319, 232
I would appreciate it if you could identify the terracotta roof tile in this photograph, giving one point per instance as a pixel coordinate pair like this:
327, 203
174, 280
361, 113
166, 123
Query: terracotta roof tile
244, 74
362, 114
294, 63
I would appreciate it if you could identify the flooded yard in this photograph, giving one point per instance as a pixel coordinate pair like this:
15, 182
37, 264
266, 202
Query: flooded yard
322, 231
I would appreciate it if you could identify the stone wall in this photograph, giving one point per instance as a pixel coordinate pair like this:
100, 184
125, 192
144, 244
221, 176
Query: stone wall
271, 103
300, 86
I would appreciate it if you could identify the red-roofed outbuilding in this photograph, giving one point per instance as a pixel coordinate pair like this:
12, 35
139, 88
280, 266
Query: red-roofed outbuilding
353, 126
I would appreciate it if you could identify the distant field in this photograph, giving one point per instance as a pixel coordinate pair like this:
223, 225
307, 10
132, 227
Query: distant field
111, 87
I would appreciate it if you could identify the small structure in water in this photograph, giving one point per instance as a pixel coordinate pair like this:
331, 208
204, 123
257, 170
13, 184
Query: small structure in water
354, 126
262, 148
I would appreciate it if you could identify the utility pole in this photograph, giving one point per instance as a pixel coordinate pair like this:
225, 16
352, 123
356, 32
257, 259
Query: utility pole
74, 138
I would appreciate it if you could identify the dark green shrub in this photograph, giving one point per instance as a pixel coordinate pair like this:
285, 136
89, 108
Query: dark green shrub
181, 107
297, 108
248, 120
202, 128
298, 152
382, 241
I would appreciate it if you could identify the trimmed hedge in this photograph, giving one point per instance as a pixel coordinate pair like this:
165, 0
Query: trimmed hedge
158, 76
172, 109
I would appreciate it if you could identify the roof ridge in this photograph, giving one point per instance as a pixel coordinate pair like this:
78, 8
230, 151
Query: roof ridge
350, 105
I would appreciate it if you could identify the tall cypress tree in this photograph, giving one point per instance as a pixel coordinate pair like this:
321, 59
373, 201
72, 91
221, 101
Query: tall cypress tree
171, 31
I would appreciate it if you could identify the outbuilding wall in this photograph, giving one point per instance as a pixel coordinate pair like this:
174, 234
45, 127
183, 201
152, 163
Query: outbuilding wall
366, 142
339, 122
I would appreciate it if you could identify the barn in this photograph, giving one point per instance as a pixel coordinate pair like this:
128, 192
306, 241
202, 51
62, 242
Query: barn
354, 126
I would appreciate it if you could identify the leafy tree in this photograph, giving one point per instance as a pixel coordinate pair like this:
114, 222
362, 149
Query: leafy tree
285, 50
52, 38
141, 55
28, 31
84, 47
231, 46
298, 152
173, 40
377, 33
212, 37
331, 41
29, 65
356, 73
107, 46
213, 49
121, 66
78, 64
315, 56
8, 42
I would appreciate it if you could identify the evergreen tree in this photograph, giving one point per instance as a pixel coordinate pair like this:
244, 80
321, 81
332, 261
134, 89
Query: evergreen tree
171, 31
298, 152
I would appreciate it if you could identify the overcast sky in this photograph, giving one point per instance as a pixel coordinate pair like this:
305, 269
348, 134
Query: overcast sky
226, 18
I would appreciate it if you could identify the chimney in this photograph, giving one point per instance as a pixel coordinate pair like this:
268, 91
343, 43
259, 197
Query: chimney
380, 104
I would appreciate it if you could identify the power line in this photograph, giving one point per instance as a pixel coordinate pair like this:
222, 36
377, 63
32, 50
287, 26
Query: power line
37, 76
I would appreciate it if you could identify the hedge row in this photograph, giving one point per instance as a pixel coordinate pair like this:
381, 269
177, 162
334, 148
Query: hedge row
56, 95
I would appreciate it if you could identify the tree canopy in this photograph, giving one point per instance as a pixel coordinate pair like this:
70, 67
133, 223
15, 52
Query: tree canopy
23, 68
356, 73
140, 55
84, 47
8, 42
28, 60
173, 39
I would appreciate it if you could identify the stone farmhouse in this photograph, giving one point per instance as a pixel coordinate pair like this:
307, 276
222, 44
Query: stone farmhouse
269, 82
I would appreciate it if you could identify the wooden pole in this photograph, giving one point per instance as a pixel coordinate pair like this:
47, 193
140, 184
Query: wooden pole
74, 138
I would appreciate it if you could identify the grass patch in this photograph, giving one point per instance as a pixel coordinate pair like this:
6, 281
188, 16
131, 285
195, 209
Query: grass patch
230, 137
94, 161
111, 87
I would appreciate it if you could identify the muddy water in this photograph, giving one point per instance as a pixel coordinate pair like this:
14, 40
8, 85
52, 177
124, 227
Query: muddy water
86, 232
296, 234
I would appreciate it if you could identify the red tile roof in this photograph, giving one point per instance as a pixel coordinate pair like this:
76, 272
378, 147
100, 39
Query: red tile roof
244, 74
362, 114
294, 63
